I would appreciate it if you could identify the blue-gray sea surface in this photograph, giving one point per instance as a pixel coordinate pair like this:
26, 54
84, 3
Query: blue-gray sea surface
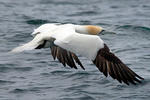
34, 75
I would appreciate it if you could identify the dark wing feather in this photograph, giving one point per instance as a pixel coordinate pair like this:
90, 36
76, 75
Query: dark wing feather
77, 61
41, 45
65, 57
108, 63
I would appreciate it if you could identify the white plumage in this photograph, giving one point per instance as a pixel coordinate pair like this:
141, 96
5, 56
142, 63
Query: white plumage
85, 45
68, 37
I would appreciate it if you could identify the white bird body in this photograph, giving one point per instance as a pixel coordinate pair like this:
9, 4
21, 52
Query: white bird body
67, 40
44, 32
66, 37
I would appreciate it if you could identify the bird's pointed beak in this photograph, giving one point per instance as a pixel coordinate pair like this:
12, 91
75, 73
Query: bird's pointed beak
102, 32
106, 32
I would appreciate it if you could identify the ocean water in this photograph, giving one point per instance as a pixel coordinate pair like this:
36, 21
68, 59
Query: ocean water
34, 75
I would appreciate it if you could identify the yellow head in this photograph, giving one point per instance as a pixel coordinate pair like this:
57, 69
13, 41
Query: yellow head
94, 30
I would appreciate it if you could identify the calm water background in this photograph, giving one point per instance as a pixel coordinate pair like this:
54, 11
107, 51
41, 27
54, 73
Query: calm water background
35, 75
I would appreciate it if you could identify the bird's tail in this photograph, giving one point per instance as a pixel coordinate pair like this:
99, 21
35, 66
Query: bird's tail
28, 46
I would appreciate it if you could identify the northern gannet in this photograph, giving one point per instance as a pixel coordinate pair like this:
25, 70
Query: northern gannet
67, 40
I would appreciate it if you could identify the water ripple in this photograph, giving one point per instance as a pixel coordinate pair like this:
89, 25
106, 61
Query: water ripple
84, 13
6, 69
134, 28
37, 21
4, 82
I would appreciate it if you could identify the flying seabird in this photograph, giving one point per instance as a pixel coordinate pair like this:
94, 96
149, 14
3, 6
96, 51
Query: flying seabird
67, 40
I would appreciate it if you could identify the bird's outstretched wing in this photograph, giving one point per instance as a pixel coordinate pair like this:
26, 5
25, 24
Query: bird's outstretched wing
94, 48
65, 57
108, 63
